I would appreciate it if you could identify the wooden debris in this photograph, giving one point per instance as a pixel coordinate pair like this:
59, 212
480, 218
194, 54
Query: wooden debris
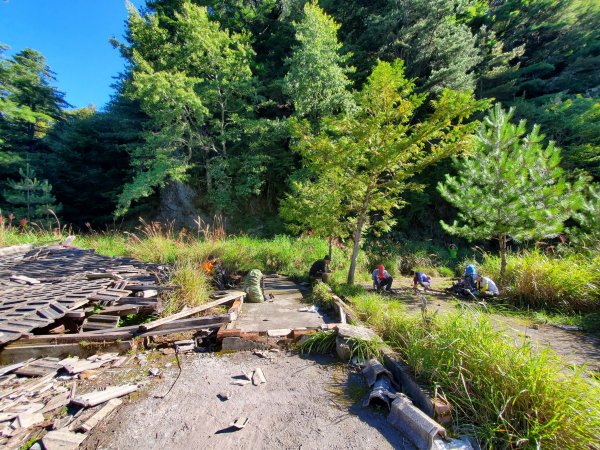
40, 367
241, 382
239, 423
258, 377
98, 397
29, 419
147, 293
63, 440
191, 311
100, 322
58, 401
13, 367
24, 280
110, 406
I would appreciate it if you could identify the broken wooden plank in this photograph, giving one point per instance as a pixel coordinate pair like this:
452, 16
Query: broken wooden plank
100, 322
110, 406
228, 298
40, 367
63, 439
13, 367
98, 397
16, 352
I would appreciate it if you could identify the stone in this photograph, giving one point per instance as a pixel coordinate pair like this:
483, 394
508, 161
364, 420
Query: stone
355, 332
239, 345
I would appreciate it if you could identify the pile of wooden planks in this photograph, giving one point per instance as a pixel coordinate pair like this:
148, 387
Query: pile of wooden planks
34, 392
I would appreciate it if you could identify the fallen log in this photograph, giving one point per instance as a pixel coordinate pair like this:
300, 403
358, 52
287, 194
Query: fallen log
188, 312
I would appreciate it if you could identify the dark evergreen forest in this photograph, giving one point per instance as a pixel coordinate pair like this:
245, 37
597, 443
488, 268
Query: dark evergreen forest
202, 118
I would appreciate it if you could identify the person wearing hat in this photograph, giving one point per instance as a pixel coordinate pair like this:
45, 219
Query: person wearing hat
319, 268
486, 287
382, 280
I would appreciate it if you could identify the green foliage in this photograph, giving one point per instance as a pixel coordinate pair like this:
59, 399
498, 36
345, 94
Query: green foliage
193, 80
321, 342
567, 284
508, 394
372, 155
30, 198
322, 296
317, 81
364, 349
511, 187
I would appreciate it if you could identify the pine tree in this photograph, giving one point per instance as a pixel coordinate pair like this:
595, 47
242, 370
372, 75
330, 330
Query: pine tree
317, 81
32, 198
511, 187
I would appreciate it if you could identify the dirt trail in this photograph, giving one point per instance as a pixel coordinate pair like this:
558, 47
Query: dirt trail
305, 404
574, 346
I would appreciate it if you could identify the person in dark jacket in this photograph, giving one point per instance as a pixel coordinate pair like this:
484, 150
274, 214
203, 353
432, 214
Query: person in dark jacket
319, 268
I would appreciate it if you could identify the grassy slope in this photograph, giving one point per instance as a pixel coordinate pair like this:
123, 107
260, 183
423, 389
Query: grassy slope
505, 392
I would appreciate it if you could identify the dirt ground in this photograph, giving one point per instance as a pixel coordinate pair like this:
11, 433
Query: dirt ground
306, 404
574, 346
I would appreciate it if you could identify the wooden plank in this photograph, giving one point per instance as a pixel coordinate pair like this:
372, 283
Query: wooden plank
98, 397
110, 406
40, 367
13, 367
228, 298
16, 353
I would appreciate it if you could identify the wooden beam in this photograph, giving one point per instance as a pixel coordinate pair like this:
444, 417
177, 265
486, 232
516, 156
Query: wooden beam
188, 312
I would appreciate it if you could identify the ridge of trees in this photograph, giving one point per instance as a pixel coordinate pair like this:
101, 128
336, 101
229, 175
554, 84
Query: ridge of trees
212, 90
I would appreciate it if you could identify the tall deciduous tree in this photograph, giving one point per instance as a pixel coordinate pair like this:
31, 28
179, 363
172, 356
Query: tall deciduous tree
193, 80
317, 81
372, 155
512, 187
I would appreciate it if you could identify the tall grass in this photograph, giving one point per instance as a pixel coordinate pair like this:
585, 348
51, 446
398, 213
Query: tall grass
533, 279
511, 395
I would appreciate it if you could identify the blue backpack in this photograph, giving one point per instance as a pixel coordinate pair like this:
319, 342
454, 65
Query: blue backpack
470, 270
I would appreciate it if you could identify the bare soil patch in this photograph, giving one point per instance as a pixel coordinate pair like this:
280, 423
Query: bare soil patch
306, 403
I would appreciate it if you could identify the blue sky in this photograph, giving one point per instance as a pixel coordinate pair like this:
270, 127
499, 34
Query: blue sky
73, 36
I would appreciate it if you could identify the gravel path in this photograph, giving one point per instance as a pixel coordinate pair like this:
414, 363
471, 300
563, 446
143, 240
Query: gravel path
305, 404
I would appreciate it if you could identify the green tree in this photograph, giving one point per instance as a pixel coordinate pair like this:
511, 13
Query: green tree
30, 197
372, 155
317, 81
29, 106
193, 80
511, 187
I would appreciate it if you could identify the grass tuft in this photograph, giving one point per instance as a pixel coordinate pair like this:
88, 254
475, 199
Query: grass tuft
322, 342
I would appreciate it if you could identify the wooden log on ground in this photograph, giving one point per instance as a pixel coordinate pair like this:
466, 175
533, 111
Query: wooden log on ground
98, 397
18, 352
188, 312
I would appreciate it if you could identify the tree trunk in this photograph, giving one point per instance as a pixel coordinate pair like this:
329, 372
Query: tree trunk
357, 236
502, 242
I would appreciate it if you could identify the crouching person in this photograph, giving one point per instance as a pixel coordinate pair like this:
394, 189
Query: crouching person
486, 287
320, 270
422, 279
382, 280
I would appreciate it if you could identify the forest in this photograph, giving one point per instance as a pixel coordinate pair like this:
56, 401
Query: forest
224, 105
423, 135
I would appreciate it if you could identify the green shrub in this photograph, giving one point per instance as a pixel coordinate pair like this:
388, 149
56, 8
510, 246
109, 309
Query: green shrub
445, 272
510, 394
322, 295
533, 279
320, 342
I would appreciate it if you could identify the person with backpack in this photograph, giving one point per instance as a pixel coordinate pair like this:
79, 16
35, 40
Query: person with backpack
486, 287
382, 280
422, 279
469, 278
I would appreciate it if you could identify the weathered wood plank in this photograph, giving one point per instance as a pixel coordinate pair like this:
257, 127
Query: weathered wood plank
186, 313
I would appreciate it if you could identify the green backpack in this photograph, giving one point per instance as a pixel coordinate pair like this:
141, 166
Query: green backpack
252, 286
